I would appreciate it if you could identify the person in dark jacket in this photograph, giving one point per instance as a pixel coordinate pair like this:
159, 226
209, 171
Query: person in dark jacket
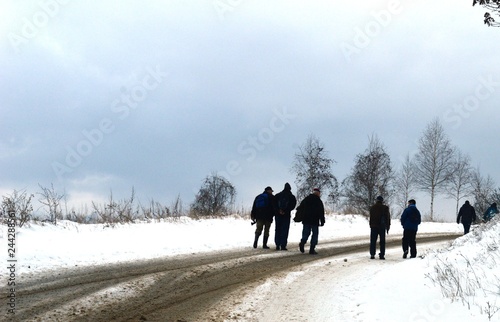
263, 210
410, 219
286, 202
490, 212
380, 223
314, 216
468, 215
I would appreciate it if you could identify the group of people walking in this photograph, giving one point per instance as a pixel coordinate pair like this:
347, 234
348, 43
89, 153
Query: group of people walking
267, 207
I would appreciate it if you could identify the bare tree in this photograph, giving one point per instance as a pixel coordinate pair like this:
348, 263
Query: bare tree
18, 202
459, 185
434, 161
52, 200
491, 5
371, 176
313, 168
404, 182
215, 197
483, 191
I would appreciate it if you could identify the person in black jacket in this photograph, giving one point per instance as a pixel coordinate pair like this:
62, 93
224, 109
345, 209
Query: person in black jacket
314, 216
468, 215
263, 210
286, 202
380, 222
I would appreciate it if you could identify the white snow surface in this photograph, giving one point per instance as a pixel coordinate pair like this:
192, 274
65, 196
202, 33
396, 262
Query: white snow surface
351, 288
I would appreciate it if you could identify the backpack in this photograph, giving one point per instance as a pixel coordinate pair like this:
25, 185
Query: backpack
261, 201
299, 214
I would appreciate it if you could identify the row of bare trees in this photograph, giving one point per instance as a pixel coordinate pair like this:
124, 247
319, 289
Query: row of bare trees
437, 167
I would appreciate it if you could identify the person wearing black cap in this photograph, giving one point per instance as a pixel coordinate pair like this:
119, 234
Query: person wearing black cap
263, 210
286, 202
314, 216
380, 222
410, 219
468, 215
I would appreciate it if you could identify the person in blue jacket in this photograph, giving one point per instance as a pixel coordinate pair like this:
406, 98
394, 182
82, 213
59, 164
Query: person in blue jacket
263, 210
410, 219
490, 212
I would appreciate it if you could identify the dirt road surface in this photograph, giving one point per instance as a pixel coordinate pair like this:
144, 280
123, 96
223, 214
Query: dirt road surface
196, 287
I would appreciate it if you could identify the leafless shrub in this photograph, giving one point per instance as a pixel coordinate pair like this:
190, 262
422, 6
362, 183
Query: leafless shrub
20, 203
114, 212
465, 283
156, 211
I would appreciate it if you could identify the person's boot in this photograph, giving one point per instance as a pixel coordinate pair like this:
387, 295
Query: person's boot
256, 240
312, 251
301, 247
265, 242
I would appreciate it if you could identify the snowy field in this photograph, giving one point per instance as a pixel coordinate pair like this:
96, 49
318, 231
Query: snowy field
391, 290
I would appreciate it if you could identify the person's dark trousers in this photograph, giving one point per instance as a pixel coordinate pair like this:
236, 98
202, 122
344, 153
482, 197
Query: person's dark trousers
281, 231
262, 225
410, 240
373, 241
306, 231
466, 228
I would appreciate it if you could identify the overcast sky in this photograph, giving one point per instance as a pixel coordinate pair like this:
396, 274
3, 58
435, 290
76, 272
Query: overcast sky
101, 96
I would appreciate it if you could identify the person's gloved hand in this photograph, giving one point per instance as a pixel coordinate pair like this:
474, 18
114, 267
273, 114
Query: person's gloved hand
387, 230
322, 223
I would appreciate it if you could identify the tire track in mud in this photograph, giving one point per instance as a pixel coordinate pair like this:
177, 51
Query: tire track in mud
179, 288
